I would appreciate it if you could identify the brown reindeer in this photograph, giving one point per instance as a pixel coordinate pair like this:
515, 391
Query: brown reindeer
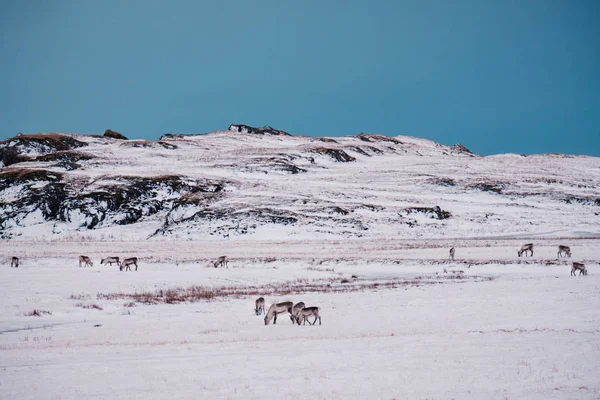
14, 262
278, 308
259, 306
222, 261
307, 312
566, 250
127, 262
525, 248
110, 261
578, 267
296, 310
86, 261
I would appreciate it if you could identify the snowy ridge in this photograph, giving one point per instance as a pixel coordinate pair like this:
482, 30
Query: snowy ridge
261, 182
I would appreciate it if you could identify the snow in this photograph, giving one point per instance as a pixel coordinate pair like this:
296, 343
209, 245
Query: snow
540, 193
532, 331
399, 320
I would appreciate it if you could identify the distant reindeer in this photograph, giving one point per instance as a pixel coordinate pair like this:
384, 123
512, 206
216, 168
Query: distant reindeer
452, 251
221, 261
525, 248
259, 306
307, 312
295, 310
14, 262
578, 267
110, 261
127, 262
86, 261
566, 250
278, 308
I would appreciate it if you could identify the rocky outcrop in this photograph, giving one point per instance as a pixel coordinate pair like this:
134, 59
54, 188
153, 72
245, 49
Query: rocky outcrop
459, 148
23, 148
265, 130
114, 135
377, 138
45, 196
337, 154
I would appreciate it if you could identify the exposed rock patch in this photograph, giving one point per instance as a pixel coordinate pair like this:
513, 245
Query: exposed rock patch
265, 130
337, 154
114, 135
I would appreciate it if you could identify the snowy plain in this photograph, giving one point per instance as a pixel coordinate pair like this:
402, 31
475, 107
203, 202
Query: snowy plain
399, 320
504, 328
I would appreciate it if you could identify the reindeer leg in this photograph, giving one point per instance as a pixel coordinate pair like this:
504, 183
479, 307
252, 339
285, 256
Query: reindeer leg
275, 319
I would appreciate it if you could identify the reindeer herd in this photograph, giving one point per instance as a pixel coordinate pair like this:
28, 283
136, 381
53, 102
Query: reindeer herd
563, 251
298, 312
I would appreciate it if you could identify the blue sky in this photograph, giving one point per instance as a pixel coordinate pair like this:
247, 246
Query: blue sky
498, 76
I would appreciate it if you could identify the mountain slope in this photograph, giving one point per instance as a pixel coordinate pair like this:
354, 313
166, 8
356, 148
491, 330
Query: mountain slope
264, 183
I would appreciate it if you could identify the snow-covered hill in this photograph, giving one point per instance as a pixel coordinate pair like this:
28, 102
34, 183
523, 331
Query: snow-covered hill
262, 183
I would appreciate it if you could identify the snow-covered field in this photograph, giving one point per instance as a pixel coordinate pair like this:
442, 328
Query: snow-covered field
359, 226
504, 328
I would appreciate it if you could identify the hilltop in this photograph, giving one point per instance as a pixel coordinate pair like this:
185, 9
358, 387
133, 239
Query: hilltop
264, 183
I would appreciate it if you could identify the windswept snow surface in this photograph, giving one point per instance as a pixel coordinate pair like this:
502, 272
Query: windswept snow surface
504, 328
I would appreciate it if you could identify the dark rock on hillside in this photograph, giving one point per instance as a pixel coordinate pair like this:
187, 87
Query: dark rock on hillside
494, 187
260, 131
10, 156
442, 181
69, 160
377, 138
114, 135
149, 144
26, 147
40, 200
337, 154
45, 196
432, 212
221, 220
461, 149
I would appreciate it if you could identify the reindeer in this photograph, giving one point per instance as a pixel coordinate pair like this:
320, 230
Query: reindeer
295, 310
278, 308
307, 312
14, 262
452, 251
525, 248
564, 250
110, 261
221, 261
259, 305
127, 262
86, 260
578, 267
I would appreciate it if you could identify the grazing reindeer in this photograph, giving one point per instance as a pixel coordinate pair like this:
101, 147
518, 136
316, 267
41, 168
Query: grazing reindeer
452, 251
221, 261
295, 310
110, 261
127, 262
259, 305
278, 308
525, 248
564, 250
307, 312
86, 260
578, 267
14, 262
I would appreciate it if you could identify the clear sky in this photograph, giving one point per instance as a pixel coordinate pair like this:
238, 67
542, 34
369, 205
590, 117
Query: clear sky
518, 76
